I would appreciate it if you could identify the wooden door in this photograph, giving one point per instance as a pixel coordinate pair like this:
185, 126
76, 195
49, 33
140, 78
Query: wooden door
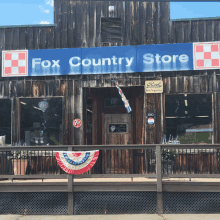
117, 131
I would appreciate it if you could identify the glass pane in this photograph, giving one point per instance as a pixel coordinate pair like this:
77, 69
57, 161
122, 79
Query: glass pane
41, 121
189, 117
5, 122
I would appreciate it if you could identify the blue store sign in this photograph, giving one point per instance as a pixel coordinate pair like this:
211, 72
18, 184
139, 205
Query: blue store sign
102, 60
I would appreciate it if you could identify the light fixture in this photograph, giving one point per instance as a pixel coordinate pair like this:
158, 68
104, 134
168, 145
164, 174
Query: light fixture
89, 110
186, 104
23, 103
186, 112
185, 95
172, 117
205, 116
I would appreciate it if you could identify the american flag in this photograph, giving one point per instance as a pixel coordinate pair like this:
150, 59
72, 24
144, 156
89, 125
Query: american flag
127, 106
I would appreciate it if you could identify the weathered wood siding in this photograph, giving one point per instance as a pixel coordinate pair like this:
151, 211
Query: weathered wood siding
78, 24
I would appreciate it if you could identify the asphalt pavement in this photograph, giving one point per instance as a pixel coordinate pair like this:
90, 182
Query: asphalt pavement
114, 217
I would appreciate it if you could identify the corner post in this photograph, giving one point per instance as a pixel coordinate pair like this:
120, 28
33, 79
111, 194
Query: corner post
70, 191
159, 181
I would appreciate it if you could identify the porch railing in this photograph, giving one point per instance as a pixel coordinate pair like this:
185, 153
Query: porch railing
176, 161
157, 161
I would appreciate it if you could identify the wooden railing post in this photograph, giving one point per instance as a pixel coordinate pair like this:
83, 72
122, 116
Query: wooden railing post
70, 191
159, 180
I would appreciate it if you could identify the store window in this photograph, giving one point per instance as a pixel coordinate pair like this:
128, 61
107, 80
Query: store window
5, 122
41, 121
189, 118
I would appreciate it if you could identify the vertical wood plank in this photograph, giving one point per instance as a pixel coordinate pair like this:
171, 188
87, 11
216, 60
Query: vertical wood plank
14, 39
149, 23
71, 37
172, 30
78, 112
92, 26
121, 13
50, 88
64, 10
28, 89
94, 121
186, 84
36, 40
204, 84
135, 22
83, 25
195, 32
65, 113
210, 25
164, 21
22, 38
217, 30
179, 32
71, 100
215, 119
196, 82
191, 84
20, 88
43, 38
181, 84
210, 83
187, 31
127, 37
30, 38
79, 12
98, 24
8, 33
50, 38
202, 30
156, 23
142, 26
57, 21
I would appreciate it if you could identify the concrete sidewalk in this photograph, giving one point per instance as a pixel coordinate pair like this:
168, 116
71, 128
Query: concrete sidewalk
115, 217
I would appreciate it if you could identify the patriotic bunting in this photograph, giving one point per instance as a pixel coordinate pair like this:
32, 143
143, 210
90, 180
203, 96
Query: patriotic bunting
127, 106
77, 162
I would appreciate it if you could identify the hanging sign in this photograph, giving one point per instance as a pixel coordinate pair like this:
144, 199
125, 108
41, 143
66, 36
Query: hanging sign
150, 121
77, 162
77, 123
154, 86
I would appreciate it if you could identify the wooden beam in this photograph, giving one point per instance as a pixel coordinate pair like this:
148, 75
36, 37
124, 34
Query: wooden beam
159, 181
70, 191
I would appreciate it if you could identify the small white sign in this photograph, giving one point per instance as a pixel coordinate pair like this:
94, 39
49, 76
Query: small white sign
150, 121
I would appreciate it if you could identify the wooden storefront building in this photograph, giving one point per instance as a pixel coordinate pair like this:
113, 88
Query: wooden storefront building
93, 98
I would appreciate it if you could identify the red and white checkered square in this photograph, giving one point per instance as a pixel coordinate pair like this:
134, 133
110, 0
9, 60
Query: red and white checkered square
15, 63
206, 55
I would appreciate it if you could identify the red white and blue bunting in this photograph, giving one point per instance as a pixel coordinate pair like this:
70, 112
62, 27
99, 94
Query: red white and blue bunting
76, 162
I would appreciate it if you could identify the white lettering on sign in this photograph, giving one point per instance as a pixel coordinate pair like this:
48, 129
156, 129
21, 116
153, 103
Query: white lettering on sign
45, 63
76, 61
149, 58
74, 58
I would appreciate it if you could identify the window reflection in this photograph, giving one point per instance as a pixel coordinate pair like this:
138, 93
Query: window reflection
41, 121
190, 117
